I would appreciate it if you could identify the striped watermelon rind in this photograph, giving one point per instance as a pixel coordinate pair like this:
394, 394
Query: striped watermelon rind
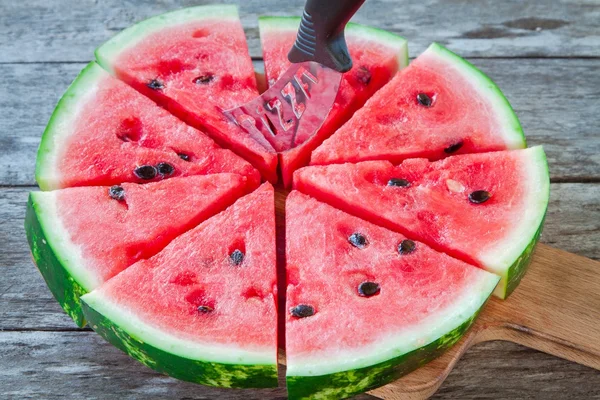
178, 358
342, 384
53, 253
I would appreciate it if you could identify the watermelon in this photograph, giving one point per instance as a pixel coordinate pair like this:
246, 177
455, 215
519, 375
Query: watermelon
487, 209
102, 130
81, 237
377, 55
439, 105
367, 305
195, 63
203, 310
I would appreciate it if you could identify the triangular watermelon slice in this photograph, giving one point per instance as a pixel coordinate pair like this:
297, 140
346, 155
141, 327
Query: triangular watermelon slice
204, 309
376, 54
195, 63
102, 131
366, 305
487, 209
438, 106
81, 237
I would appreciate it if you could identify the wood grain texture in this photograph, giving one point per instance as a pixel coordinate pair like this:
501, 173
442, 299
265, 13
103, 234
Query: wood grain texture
555, 100
69, 30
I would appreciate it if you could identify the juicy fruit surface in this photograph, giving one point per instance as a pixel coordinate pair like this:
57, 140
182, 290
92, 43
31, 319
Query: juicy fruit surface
196, 69
460, 111
435, 207
111, 234
112, 129
371, 303
214, 287
376, 56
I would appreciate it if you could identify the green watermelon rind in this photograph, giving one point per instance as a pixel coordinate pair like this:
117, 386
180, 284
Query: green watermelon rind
365, 32
107, 53
50, 252
64, 116
350, 382
163, 354
513, 131
521, 258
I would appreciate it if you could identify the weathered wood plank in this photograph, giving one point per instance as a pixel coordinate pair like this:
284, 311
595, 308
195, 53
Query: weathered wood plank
52, 365
69, 30
572, 224
555, 99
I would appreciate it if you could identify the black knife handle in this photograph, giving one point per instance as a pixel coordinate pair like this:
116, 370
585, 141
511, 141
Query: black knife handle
321, 33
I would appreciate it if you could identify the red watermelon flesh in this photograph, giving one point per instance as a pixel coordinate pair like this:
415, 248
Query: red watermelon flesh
102, 235
461, 111
376, 55
430, 202
195, 63
210, 295
102, 130
422, 296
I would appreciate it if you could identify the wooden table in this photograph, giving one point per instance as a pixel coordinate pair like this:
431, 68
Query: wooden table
545, 55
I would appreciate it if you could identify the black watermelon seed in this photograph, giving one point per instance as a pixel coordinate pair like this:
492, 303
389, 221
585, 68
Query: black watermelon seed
424, 100
302, 311
165, 168
204, 79
406, 246
363, 75
368, 289
155, 84
479, 196
145, 172
398, 182
183, 156
236, 257
453, 148
358, 240
205, 309
116, 192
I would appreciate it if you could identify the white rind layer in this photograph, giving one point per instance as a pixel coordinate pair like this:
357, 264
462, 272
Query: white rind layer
62, 125
507, 251
131, 323
107, 54
395, 344
68, 253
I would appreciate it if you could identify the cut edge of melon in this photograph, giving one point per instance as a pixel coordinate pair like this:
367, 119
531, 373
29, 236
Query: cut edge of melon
427, 331
61, 123
388, 39
55, 254
178, 357
107, 53
512, 133
510, 257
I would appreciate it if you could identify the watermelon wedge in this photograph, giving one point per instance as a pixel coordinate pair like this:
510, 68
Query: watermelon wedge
367, 305
486, 209
102, 131
377, 55
202, 310
81, 237
195, 63
438, 106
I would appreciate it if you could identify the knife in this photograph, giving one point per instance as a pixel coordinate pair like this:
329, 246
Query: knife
295, 106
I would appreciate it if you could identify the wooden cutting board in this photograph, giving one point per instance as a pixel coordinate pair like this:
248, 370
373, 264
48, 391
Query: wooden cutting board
555, 309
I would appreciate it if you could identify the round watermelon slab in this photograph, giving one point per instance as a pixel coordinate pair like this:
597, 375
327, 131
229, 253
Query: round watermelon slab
365, 303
